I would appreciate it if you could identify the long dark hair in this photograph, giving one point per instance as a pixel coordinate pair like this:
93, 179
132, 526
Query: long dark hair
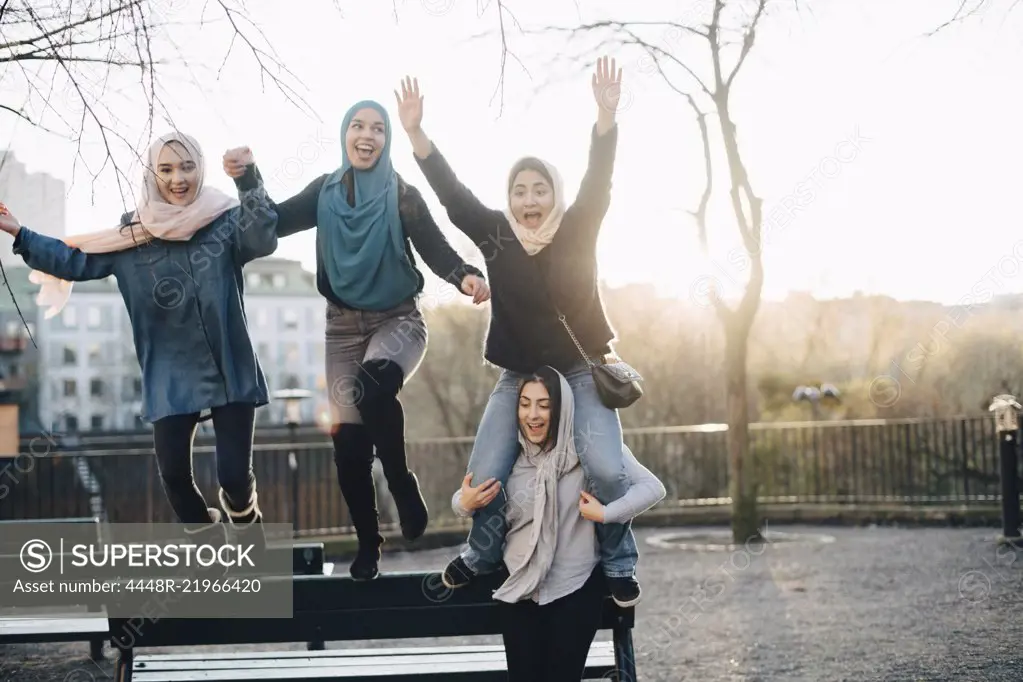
551, 380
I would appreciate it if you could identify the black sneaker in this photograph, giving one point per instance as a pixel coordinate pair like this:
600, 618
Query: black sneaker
366, 565
457, 574
625, 591
412, 512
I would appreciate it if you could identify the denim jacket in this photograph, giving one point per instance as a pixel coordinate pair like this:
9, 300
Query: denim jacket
185, 303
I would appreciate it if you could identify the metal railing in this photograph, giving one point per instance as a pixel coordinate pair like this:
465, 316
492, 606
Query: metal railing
946, 461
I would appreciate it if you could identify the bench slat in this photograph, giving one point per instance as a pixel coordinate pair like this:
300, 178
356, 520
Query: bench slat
395, 651
335, 665
52, 629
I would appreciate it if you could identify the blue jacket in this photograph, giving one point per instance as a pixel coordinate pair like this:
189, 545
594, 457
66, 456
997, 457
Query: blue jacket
185, 304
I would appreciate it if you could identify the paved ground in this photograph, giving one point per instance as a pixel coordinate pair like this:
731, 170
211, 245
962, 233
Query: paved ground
876, 604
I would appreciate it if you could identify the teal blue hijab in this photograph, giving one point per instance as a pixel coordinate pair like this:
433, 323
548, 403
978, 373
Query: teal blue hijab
363, 246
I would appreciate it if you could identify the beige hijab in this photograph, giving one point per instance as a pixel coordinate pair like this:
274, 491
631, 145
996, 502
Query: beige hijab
534, 241
540, 533
159, 220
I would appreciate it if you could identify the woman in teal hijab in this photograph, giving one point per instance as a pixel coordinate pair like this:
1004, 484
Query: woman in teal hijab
367, 221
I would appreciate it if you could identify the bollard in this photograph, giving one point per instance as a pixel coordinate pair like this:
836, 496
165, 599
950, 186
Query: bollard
1006, 411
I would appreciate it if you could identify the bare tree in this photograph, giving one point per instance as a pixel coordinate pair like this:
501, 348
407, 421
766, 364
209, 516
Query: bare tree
71, 69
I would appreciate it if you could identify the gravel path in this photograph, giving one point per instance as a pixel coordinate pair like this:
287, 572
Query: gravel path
875, 604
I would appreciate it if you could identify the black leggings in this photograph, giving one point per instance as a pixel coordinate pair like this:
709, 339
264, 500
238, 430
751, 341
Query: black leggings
173, 437
550, 643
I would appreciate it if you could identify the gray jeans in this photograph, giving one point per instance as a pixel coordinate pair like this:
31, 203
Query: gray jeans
357, 336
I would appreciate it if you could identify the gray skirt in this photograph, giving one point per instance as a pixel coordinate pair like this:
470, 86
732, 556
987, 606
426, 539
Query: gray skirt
357, 336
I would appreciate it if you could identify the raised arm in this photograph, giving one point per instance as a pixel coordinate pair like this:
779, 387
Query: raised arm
255, 221
645, 491
53, 256
435, 249
466, 212
594, 195
294, 215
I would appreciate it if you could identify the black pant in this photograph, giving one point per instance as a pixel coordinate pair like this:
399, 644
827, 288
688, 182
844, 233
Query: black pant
550, 643
173, 437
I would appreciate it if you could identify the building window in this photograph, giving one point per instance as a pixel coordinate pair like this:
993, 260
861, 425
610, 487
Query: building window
95, 355
96, 388
68, 317
70, 422
70, 355
253, 279
137, 387
94, 317
290, 318
96, 423
279, 280
70, 388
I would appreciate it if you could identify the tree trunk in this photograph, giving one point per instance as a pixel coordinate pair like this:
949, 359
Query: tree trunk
741, 476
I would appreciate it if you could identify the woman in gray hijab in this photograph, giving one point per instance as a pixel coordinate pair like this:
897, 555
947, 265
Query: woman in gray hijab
555, 589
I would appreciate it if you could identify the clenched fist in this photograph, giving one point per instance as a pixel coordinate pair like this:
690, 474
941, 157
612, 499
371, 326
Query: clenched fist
235, 161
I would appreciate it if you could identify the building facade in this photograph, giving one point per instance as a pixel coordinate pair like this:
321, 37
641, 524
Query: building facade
38, 199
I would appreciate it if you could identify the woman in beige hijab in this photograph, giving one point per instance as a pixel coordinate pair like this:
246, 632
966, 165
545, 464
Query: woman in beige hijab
554, 591
178, 259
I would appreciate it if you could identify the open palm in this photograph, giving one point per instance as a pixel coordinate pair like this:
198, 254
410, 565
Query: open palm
410, 104
607, 85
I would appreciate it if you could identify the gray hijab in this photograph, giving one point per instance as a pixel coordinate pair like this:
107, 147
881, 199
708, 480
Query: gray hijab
538, 537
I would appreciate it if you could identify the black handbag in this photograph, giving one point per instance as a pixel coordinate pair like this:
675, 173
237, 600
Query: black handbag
617, 382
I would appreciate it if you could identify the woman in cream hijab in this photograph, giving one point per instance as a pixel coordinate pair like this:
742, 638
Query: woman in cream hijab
177, 259
554, 591
541, 252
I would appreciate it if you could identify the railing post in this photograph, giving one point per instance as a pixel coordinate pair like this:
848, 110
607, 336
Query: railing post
1006, 411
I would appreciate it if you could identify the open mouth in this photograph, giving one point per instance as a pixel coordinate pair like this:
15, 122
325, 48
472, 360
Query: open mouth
364, 152
532, 217
179, 191
536, 429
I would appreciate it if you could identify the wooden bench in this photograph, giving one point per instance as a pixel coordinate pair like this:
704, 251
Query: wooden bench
44, 625
334, 608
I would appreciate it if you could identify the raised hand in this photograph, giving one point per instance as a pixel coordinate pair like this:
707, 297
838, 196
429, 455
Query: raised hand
8, 223
480, 496
607, 86
410, 105
236, 159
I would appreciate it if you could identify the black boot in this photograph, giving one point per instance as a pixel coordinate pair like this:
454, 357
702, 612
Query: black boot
213, 534
353, 456
384, 418
247, 523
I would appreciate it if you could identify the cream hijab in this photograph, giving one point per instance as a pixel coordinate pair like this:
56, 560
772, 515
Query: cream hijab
154, 218
539, 538
534, 240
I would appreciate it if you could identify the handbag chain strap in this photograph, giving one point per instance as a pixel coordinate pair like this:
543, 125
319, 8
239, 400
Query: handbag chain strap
589, 363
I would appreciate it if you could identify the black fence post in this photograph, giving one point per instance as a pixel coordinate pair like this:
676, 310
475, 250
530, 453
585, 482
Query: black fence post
1006, 411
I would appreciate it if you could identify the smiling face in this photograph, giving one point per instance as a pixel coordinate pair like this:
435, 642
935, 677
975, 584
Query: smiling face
365, 138
177, 174
531, 198
535, 412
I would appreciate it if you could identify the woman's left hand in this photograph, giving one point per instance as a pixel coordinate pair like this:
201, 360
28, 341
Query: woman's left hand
607, 86
235, 161
590, 507
477, 287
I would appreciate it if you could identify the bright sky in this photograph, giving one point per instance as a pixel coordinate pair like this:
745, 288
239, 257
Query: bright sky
922, 207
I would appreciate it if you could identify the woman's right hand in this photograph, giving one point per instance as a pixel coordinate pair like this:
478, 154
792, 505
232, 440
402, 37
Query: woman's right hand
480, 496
8, 223
410, 105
